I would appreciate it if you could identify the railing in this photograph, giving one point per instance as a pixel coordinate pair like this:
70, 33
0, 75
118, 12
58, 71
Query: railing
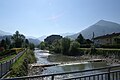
105, 73
5, 67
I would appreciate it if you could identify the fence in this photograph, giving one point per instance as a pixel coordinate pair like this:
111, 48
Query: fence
105, 73
5, 67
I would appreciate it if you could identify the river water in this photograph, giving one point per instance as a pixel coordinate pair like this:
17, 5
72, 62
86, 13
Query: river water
71, 63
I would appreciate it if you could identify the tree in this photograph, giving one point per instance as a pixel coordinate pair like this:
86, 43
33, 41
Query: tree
56, 46
73, 50
31, 46
117, 40
3, 44
65, 45
8, 43
26, 43
18, 39
88, 41
42, 45
80, 39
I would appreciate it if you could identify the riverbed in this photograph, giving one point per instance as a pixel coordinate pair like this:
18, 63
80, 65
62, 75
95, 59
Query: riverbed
67, 63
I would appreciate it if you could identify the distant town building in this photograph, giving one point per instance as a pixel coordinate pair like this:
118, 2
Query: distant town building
107, 39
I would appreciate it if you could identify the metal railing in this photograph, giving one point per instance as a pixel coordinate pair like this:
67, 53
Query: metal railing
104, 73
5, 67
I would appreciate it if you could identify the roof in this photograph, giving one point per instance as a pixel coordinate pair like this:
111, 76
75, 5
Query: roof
107, 35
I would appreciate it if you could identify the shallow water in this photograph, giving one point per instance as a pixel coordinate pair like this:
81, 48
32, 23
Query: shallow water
67, 63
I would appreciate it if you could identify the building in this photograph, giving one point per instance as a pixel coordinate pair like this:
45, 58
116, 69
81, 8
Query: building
107, 39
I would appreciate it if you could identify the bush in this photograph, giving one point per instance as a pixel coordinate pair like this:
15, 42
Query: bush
109, 52
85, 45
65, 45
83, 51
101, 51
111, 46
73, 50
7, 52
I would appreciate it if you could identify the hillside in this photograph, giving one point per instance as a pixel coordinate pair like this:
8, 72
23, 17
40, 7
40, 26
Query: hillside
102, 27
34, 41
52, 38
3, 33
4, 37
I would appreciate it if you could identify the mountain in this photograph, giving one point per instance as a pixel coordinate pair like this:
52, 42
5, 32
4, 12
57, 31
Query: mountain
66, 34
5, 36
100, 28
2, 33
42, 38
34, 41
62, 34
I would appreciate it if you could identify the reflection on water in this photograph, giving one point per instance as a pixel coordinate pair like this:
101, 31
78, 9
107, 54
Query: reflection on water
46, 58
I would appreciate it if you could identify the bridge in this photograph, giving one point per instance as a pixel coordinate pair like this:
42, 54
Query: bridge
103, 73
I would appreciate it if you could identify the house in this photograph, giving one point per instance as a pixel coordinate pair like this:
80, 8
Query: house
107, 39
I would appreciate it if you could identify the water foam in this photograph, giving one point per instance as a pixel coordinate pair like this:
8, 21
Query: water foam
77, 63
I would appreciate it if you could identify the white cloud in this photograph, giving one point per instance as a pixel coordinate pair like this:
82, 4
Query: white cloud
55, 17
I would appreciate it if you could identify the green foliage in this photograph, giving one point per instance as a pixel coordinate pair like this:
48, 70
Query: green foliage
25, 43
2, 60
7, 53
102, 52
19, 68
80, 39
8, 43
56, 46
3, 44
83, 51
65, 45
117, 40
93, 50
88, 41
31, 46
73, 50
109, 53
43, 45
18, 39
85, 46
117, 46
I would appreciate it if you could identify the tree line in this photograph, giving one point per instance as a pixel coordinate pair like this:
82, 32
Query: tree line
64, 45
17, 40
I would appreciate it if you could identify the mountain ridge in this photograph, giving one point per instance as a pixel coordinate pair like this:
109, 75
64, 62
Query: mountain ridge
3, 33
100, 28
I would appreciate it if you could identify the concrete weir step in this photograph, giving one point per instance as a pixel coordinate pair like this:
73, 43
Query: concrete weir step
63, 64
44, 65
96, 60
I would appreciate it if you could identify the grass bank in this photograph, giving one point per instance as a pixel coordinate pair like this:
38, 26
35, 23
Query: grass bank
20, 67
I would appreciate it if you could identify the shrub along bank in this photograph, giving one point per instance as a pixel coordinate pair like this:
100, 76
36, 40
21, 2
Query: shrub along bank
20, 67
101, 51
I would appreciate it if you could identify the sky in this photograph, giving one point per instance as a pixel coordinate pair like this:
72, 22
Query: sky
46, 17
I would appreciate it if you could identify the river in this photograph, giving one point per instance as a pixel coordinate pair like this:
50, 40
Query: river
72, 63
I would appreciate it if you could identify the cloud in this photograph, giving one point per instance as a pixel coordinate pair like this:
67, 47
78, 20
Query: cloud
55, 17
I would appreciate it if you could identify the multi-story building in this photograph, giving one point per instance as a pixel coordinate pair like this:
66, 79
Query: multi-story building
107, 39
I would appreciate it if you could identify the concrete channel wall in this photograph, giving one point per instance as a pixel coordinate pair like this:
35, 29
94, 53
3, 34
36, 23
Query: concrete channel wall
5, 67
